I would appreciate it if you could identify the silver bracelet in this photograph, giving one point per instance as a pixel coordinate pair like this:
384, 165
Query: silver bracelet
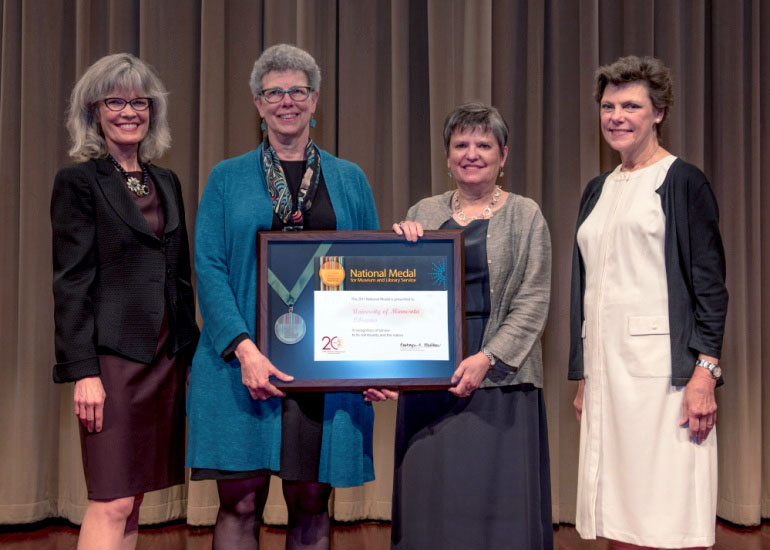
713, 368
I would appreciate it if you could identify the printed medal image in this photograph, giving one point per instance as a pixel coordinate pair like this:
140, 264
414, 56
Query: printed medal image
290, 328
331, 272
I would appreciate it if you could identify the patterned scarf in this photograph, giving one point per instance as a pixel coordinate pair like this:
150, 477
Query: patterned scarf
280, 195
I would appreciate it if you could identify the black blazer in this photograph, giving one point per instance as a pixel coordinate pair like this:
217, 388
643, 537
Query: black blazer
112, 276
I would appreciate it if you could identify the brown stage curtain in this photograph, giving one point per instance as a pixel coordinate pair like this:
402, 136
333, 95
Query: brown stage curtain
392, 69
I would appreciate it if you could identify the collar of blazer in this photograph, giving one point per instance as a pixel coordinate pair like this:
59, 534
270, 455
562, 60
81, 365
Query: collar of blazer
119, 197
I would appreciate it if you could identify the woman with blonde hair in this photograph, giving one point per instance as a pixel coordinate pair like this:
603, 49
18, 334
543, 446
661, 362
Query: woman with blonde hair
124, 306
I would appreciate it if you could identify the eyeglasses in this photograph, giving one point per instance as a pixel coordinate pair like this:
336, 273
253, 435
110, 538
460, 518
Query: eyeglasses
296, 93
118, 103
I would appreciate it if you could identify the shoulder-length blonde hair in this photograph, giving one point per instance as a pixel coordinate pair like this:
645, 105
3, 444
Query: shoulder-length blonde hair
120, 71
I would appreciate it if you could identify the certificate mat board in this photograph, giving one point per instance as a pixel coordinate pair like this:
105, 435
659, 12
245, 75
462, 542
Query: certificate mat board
349, 310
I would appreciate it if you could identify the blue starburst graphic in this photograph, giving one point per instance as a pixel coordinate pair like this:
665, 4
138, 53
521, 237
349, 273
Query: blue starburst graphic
438, 273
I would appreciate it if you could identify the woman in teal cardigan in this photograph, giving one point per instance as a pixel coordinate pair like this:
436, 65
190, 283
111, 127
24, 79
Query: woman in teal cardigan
242, 429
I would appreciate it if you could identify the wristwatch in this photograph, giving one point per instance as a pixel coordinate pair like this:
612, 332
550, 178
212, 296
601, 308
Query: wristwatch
713, 368
489, 355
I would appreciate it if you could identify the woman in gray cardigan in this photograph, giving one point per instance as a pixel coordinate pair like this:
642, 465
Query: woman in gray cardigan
472, 467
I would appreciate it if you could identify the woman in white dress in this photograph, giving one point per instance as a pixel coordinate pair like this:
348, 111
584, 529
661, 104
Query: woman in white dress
647, 317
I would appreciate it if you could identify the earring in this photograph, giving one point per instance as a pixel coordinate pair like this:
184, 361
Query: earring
263, 126
312, 122
501, 173
449, 173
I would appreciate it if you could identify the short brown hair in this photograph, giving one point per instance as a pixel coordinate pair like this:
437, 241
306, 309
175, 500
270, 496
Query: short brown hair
632, 68
476, 116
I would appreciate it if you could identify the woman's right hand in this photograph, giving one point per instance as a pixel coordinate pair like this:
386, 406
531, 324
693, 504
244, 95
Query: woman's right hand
410, 230
578, 402
89, 402
256, 370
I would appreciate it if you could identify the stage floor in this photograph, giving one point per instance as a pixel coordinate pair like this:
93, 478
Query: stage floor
59, 535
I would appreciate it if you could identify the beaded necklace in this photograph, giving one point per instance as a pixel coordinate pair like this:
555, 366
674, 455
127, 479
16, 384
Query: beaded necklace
138, 188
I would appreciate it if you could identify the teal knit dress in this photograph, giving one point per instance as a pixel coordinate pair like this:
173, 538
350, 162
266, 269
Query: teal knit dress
228, 430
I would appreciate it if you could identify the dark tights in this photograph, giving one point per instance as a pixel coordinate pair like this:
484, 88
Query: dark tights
308, 504
242, 501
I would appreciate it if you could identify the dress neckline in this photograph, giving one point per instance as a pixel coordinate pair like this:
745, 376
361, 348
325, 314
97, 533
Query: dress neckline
625, 176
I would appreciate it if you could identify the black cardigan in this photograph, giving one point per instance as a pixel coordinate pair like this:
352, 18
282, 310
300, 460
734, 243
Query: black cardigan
112, 276
695, 271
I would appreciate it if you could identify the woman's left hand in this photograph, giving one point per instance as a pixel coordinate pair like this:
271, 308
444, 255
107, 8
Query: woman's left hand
382, 394
469, 375
699, 407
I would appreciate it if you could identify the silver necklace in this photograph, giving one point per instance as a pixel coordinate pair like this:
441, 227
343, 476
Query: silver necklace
486, 213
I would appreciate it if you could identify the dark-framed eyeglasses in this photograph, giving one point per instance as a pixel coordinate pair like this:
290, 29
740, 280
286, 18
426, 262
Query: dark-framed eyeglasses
296, 93
118, 103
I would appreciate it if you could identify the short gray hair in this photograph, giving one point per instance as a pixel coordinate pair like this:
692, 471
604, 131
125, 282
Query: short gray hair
284, 57
120, 71
476, 116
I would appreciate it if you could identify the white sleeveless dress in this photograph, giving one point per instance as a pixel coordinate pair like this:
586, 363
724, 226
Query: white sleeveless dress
640, 479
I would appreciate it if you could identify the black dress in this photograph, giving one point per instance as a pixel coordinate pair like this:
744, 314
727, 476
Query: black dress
472, 473
302, 413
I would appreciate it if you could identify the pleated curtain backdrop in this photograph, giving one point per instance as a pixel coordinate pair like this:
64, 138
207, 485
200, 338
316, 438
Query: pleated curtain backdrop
391, 69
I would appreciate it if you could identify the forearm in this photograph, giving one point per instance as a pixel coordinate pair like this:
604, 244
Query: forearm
222, 315
527, 311
708, 271
74, 272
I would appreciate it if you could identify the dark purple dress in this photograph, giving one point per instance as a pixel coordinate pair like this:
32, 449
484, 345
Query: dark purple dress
141, 445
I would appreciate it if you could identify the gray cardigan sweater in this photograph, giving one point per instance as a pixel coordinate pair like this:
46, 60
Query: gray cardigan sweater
519, 256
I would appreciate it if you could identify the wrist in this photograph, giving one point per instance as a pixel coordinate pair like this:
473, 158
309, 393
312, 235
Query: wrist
703, 374
489, 356
710, 366
244, 349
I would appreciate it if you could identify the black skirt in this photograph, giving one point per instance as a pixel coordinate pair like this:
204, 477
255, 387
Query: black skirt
474, 472
302, 417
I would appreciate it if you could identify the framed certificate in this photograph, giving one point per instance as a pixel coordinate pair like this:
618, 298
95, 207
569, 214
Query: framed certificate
350, 310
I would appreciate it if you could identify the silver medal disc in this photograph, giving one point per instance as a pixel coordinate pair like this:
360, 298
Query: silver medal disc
290, 328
